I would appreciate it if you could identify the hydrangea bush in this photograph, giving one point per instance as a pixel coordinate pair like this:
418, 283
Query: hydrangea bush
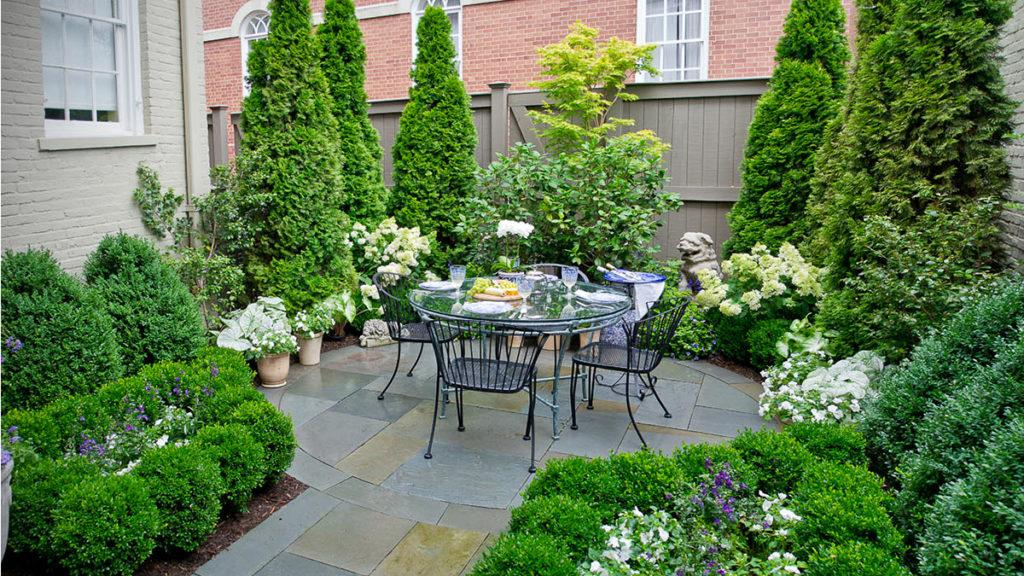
388, 248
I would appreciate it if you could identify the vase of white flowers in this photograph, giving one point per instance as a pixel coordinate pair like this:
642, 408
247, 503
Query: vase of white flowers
309, 326
263, 333
511, 233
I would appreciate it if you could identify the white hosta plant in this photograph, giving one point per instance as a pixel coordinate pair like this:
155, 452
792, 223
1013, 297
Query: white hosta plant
258, 330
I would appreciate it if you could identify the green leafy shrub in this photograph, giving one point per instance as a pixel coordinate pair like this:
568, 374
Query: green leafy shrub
695, 338
589, 481
57, 428
778, 460
574, 523
158, 207
273, 430
37, 486
186, 486
239, 457
343, 59
290, 182
761, 342
975, 525
692, 461
789, 126
644, 479
854, 558
525, 555
105, 525
295, 280
908, 192
434, 149
67, 341
833, 442
220, 408
155, 317
839, 504
937, 367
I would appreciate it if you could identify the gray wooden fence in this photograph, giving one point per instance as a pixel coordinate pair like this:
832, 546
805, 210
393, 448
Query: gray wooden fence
705, 123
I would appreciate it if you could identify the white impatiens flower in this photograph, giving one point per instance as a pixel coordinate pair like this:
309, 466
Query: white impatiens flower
792, 569
514, 228
774, 556
162, 441
789, 515
662, 534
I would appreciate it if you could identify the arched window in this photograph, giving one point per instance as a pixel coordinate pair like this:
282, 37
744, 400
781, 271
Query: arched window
453, 8
255, 28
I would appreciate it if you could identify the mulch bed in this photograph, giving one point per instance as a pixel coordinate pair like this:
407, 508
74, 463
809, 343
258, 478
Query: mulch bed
740, 368
343, 342
230, 529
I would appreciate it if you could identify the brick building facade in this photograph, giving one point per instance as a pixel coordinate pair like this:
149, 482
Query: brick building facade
499, 38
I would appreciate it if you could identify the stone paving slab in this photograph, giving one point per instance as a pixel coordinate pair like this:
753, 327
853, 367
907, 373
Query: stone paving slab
302, 409
487, 543
431, 551
726, 422
419, 385
352, 538
365, 403
389, 502
492, 430
598, 435
717, 394
680, 399
332, 436
291, 565
476, 518
328, 384
313, 472
257, 548
723, 374
381, 455
665, 440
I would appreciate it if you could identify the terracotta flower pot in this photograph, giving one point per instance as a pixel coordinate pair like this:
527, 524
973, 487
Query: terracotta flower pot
273, 370
6, 497
309, 349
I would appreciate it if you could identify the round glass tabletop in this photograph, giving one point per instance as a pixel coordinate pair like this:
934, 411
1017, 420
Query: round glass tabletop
550, 308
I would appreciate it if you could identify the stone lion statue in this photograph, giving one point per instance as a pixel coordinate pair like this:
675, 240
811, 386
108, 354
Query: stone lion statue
375, 333
697, 252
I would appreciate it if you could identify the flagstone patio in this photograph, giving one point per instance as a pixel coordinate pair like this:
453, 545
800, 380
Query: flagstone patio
376, 507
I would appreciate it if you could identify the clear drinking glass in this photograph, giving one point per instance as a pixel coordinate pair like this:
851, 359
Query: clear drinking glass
457, 272
569, 276
525, 286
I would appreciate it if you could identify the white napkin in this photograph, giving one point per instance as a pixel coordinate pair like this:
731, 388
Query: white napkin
437, 285
486, 307
599, 297
647, 295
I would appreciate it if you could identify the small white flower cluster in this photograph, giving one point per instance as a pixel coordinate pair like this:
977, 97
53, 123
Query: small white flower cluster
308, 323
784, 560
389, 248
514, 228
758, 276
638, 543
808, 386
273, 342
777, 519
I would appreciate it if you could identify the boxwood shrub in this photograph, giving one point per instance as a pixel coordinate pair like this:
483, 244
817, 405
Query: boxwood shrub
525, 555
854, 558
778, 460
572, 522
60, 341
830, 441
93, 511
155, 316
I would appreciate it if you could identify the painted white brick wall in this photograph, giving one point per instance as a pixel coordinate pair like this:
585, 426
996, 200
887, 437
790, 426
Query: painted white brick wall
67, 200
1012, 221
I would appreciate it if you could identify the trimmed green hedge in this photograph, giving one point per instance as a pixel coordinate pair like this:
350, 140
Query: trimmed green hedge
146, 462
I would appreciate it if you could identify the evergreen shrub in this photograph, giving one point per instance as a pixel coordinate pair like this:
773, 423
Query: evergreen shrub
239, 457
59, 339
37, 486
572, 522
832, 442
154, 314
778, 461
273, 430
854, 558
525, 555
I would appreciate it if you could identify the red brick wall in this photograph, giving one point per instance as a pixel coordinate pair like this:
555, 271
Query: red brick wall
218, 13
388, 55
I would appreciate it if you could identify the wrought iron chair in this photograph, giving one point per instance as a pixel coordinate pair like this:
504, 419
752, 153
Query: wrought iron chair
482, 356
647, 342
556, 270
404, 323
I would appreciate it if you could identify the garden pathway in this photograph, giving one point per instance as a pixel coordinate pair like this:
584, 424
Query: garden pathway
376, 507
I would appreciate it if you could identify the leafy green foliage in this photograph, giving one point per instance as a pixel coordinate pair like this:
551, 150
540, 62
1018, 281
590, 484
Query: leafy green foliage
343, 59
186, 486
434, 147
239, 456
105, 525
691, 459
525, 555
832, 442
585, 78
761, 342
854, 558
778, 461
273, 430
695, 338
908, 191
572, 522
291, 189
814, 32
938, 367
155, 316
158, 207
68, 345
597, 206
975, 525
36, 488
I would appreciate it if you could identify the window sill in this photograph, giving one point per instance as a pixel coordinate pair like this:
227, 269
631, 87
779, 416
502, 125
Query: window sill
91, 142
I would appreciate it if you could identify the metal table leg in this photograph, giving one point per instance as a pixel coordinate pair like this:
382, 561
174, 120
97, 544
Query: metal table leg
559, 359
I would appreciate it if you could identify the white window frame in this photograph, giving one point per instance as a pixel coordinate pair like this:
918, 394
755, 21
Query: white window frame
705, 21
245, 39
417, 14
127, 61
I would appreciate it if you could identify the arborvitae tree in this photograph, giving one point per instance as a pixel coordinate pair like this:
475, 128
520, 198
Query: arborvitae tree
344, 56
434, 165
908, 192
802, 98
291, 185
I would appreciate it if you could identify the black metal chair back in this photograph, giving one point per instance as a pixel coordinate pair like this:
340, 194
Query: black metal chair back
650, 338
394, 295
556, 270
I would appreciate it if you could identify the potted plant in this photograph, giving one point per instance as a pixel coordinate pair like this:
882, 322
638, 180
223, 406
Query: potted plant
342, 308
514, 232
309, 326
263, 333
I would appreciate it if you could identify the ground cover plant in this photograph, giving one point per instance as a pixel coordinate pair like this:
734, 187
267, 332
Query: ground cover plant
768, 503
58, 338
145, 462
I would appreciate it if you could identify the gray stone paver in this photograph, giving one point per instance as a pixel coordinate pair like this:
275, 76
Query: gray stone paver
375, 505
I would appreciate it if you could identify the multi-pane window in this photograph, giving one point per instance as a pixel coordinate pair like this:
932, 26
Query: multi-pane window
87, 67
256, 27
453, 8
678, 29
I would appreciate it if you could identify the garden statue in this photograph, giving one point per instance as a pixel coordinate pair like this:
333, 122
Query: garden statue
375, 333
697, 252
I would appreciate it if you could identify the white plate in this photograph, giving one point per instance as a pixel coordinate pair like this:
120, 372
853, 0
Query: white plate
486, 307
437, 285
600, 297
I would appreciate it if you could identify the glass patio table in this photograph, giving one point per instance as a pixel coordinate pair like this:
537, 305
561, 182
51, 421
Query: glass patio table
550, 309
